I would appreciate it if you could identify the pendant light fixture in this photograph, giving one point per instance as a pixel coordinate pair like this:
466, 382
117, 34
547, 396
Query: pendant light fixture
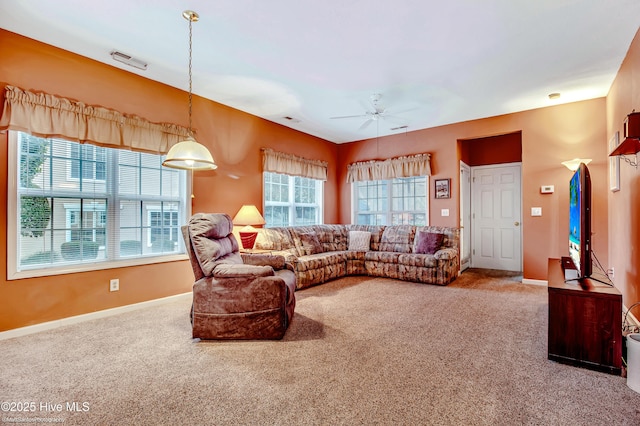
189, 154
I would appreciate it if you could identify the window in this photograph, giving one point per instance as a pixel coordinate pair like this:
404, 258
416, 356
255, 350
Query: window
292, 200
400, 201
76, 204
87, 161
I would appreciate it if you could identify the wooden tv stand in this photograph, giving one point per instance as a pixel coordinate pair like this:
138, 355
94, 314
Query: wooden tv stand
585, 322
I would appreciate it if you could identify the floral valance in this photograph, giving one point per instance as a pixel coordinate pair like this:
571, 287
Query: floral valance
289, 164
414, 165
45, 115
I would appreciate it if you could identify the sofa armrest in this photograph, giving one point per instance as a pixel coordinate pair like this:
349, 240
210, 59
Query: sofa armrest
446, 254
238, 270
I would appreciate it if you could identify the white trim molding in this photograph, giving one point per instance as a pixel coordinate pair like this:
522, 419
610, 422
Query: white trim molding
535, 282
50, 325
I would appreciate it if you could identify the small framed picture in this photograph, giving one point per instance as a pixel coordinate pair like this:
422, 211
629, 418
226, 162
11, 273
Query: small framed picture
443, 188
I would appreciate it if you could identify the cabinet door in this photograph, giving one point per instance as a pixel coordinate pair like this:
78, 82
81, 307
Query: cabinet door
585, 328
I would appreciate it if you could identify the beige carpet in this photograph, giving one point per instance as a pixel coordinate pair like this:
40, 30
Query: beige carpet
360, 351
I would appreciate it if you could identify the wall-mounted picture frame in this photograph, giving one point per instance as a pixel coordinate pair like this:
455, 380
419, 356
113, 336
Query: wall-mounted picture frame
443, 188
614, 164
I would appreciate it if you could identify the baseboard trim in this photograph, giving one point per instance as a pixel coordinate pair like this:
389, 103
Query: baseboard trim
534, 282
50, 325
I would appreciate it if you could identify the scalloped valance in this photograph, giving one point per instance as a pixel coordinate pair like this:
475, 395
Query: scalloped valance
408, 166
45, 115
289, 164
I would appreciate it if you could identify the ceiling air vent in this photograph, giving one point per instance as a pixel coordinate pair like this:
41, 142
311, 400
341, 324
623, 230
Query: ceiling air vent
129, 60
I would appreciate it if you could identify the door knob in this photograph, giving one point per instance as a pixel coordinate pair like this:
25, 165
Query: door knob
516, 223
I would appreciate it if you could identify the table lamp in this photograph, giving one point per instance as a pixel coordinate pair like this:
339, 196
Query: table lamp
247, 216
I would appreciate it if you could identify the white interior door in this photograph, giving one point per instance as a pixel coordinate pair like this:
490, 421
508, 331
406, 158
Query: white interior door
465, 216
496, 217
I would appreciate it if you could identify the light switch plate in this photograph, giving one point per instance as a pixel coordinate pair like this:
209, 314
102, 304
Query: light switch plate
536, 211
547, 189
444, 212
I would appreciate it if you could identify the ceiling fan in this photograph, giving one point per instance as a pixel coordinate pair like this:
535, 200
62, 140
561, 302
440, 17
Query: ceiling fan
377, 112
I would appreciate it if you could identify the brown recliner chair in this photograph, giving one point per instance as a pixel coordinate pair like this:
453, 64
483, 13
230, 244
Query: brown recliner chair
248, 296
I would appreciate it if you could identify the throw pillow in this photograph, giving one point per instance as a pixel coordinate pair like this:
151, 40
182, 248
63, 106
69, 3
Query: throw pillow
310, 243
359, 240
428, 242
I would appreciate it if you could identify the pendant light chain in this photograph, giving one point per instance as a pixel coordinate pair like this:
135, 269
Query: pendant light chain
188, 154
190, 73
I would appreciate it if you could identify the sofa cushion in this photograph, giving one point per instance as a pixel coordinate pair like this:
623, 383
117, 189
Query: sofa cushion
278, 238
427, 242
359, 240
451, 235
418, 260
332, 237
398, 238
382, 256
376, 234
320, 260
309, 243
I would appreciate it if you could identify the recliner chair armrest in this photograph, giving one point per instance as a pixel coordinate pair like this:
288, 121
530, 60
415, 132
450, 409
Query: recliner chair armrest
238, 270
276, 261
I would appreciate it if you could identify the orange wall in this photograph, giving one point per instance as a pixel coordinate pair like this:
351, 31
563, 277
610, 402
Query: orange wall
549, 136
624, 205
234, 138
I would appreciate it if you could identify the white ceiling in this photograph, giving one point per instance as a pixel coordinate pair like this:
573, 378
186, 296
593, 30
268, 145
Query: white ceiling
434, 62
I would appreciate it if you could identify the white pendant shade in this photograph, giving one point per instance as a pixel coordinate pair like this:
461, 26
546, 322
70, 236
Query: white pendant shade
189, 155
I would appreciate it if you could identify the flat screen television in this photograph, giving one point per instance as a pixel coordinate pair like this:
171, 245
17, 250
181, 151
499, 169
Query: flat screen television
580, 221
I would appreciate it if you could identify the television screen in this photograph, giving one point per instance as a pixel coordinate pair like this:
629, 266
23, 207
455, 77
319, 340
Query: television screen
580, 220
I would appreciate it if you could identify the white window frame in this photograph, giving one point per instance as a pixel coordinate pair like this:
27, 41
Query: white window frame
75, 208
93, 160
154, 209
388, 212
13, 224
291, 204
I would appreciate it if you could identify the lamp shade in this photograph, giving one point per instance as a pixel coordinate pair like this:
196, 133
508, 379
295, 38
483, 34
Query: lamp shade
189, 155
248, 215
629, 146
575, 163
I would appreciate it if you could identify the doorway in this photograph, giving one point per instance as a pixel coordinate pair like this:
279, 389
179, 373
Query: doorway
465, 216
487, 165
496, 217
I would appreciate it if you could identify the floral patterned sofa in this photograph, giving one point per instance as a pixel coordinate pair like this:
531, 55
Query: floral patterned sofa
319, 253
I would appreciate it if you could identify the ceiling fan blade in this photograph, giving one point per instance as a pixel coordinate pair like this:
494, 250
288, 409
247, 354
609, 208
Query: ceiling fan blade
400, 111
366, 124
349, 116
394, 119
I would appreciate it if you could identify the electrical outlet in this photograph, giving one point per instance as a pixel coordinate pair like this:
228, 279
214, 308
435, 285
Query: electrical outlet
114, 284
610, 273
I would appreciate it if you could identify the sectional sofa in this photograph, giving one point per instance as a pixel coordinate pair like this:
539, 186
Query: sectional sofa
319, 253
